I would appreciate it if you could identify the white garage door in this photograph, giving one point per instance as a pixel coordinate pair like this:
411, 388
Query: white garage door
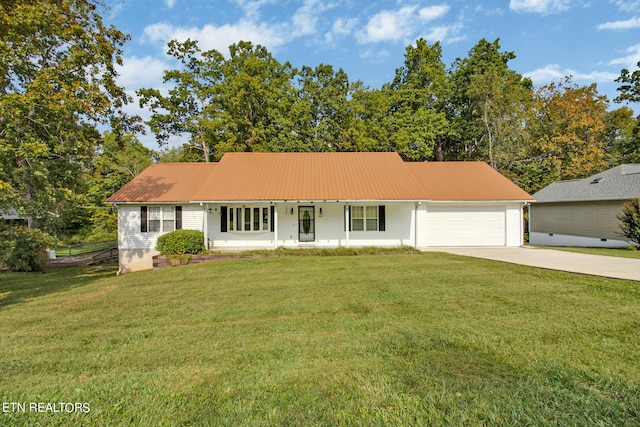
466, 226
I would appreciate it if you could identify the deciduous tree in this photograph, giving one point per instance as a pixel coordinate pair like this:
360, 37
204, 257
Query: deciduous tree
491, 107
418, 98
57, 82
190, 102
622, 135
237, 103
322, 115
629, 85
571, 129
628, 146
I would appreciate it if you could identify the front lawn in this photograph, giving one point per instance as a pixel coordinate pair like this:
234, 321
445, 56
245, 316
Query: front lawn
428, 339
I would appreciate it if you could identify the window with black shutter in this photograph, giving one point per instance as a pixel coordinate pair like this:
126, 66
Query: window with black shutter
143, 219
223, 219
178, 217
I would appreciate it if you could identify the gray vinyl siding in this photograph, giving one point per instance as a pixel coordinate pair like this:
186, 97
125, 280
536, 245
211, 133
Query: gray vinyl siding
588, 219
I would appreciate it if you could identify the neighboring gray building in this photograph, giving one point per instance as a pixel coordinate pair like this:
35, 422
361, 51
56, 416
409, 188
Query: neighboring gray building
583, 212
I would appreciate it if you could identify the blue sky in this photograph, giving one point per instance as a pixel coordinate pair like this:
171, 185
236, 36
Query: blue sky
592, 40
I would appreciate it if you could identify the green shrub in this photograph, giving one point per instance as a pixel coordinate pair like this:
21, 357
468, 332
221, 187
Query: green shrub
630, 221
23, 249
175, 260
181, 242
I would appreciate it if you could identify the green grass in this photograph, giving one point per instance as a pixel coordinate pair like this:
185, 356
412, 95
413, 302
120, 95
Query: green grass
429, 339
339, 251
622, 253
84, 248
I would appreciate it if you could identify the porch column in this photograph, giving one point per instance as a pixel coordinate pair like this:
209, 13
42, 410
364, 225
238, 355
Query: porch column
205, 225
275, 226
415, 225
346, 223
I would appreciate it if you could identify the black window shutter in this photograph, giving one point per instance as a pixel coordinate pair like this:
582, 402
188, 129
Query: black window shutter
347, 209
178, 217
381, 218
223, 219
273, 220
143, 219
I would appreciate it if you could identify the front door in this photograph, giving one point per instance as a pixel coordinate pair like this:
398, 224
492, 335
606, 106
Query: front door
306, 224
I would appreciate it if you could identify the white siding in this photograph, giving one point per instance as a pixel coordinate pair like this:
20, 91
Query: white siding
129, 235
192, 217
470, 224
421, 226
399, 228
288, 223
137, 248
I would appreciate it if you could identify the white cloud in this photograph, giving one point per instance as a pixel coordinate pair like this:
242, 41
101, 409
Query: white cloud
138, 72
305, 19
630, 61
553, 72
252, 8
340, 28
621, 25
480, 9
170, 3
445, 33
219, 38
627, 5
397, 25
388, 25
538, 6
430, 13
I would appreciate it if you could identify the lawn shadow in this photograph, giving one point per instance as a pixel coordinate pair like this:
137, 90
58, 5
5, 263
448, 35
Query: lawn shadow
17, 288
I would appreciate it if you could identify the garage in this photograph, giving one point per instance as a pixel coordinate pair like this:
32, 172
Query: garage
451, 225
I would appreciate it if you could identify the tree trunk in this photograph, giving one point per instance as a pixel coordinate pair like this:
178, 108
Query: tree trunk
32, 221
205, 152
438, 151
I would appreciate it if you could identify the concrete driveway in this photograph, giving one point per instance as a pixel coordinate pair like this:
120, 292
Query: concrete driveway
595, 265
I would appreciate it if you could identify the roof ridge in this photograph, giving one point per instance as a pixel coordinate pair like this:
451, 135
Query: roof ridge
318, 176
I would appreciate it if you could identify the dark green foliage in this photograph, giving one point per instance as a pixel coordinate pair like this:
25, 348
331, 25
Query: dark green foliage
181, 242
629, 85
23, 249
58, 81
630, 221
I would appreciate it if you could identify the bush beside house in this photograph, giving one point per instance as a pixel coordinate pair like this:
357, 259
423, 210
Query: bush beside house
630, 221
24, 249
180, 245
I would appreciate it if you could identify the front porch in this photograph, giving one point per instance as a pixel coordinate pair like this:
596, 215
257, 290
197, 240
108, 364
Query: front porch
300, 224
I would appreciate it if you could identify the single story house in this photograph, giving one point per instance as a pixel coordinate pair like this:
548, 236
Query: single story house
268, 200
11, 217
583, 212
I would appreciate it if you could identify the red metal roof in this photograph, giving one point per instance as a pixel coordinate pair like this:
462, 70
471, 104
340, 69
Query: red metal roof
164, 182
465, 181
317, 176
